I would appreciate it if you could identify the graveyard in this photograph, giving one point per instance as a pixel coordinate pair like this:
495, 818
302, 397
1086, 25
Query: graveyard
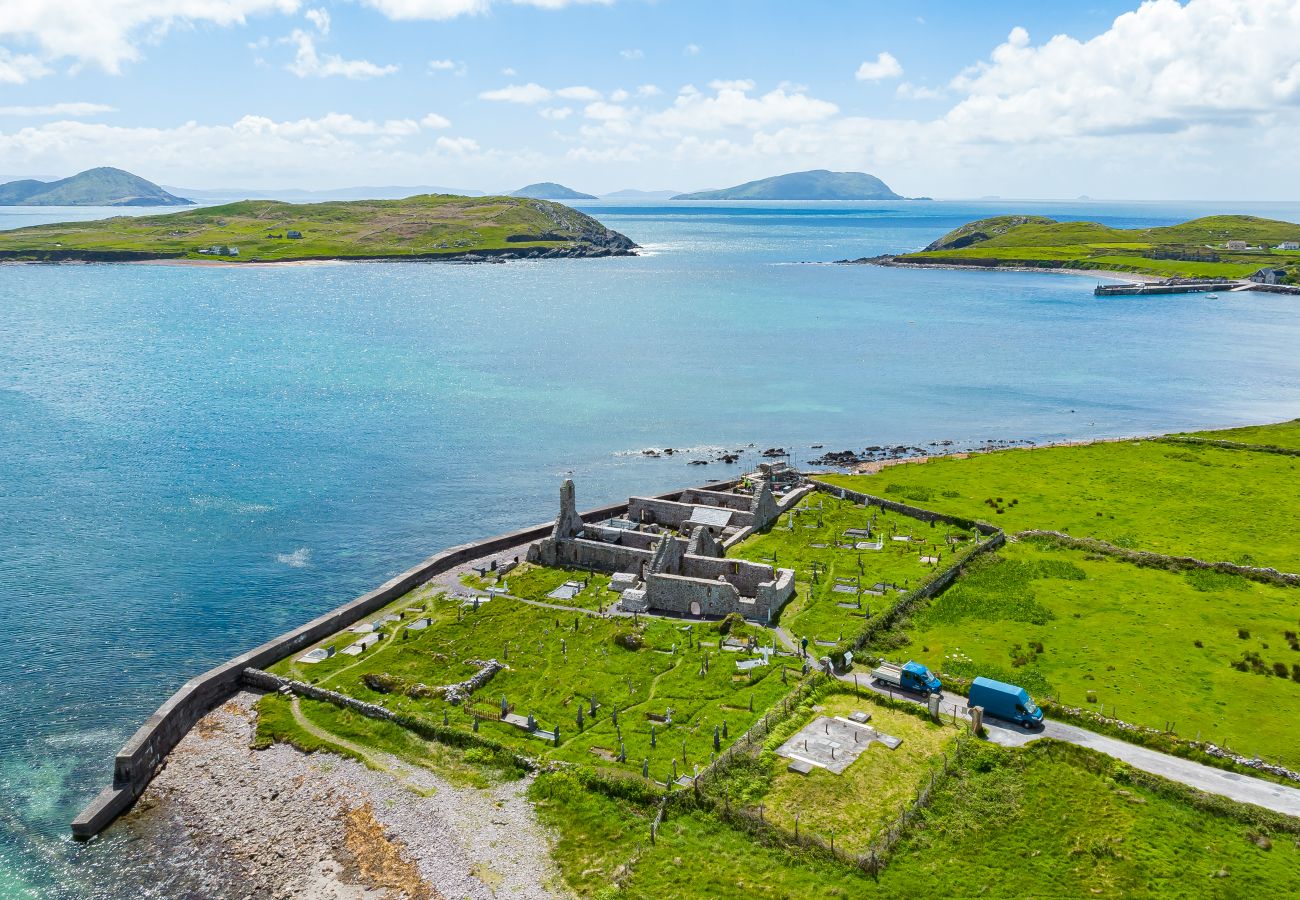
697, 753
849, 561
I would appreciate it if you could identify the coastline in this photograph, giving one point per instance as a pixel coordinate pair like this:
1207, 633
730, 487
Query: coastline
486, 255
224, 819
891, 263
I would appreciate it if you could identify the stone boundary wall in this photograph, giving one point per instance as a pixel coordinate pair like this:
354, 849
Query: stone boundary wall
789, 502
915, 512
1163, 560
1229, 445
994, 538
142, 755
265, 681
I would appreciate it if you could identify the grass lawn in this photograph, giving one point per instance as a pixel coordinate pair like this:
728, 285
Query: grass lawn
1206, 502
868, 794
815, 612
535, 582
1052, 820
1283, 434
1128, 637
554, 668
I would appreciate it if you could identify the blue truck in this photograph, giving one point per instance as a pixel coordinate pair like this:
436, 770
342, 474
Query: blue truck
910, 675
1004, 701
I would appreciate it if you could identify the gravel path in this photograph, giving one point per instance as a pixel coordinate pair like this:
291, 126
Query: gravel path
229, 821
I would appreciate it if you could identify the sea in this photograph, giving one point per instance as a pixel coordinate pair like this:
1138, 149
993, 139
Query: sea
195, 459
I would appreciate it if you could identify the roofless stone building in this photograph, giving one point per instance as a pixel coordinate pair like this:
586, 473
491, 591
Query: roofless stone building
668, 555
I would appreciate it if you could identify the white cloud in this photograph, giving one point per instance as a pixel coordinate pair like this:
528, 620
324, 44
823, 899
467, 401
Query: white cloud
556, 113
732, 106
433, 120
909, 91
106, 32
459, 68
254, 150
691, 50
307, 63
619, 96
1162, 68
884, 66
632, 54
20, 68
320, 18
509, 72
578, 92
607, 112
449, 9
74, 110
518, 93
457, 146
648, 90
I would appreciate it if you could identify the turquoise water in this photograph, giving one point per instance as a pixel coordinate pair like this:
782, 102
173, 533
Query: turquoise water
192, 460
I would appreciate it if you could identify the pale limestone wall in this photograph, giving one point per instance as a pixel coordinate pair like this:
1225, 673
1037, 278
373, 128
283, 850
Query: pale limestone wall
677, 593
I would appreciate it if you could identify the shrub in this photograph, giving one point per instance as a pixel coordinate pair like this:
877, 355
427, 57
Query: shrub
1197, 643
1092, 696
1295, 671
1243, 633
732, 620
1280, 669
629, 640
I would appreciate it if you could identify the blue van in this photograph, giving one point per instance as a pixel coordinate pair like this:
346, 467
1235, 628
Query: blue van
1004, 701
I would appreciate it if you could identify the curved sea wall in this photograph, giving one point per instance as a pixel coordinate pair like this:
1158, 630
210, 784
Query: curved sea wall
142, 755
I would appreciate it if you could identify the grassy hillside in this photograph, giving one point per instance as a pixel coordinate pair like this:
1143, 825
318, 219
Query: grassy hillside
818, 184
431, 225
1043, 242
104, 186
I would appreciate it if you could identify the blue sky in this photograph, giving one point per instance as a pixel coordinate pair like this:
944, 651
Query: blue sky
957, 99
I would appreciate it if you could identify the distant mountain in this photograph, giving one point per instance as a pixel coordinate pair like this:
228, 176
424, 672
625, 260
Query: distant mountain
633, 194
385, 192
549, 190
818, 184
94, 187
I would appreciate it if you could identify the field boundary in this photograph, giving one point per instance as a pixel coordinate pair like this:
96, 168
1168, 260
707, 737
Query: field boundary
1227, 445
1149, 560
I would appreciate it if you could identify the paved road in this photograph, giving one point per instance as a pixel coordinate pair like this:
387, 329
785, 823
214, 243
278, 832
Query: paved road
1234, 786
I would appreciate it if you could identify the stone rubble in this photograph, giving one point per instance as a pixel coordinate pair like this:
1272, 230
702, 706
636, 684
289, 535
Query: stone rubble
237, 822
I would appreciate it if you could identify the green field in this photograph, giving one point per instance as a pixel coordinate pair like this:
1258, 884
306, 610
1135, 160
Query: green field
1039, 241
1207, 502
1049, 820
427, 225
855, 806
1151, 647
815, 612
1054, 820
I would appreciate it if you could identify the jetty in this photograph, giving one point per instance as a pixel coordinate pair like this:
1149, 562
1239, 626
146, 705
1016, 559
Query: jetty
1171, 286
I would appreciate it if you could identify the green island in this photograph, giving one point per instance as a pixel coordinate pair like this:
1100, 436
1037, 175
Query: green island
1227, 247
1142, 593
430, 226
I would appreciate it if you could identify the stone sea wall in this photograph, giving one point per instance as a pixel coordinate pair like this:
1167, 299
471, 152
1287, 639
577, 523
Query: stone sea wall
142, 755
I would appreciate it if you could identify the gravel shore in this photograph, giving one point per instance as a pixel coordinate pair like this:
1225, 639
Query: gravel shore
223, 820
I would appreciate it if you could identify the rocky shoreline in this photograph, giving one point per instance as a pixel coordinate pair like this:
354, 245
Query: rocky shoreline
222, 819
484, 255
894, 262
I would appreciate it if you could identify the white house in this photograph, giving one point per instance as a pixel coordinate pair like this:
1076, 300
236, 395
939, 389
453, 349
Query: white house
1236, 245
1289, 245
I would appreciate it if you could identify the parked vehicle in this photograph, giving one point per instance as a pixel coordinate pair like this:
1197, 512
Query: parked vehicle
1004, 701
910, 675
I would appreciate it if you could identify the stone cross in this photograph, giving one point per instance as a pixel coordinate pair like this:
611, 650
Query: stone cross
717, 738
652, 736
